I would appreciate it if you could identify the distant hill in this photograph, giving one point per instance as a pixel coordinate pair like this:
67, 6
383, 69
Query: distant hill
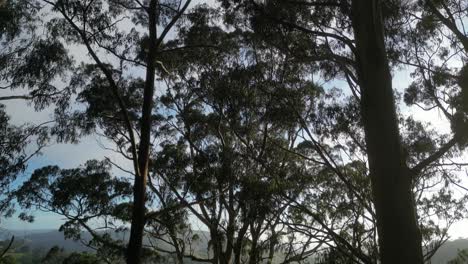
52, 238
449, 251
46, 239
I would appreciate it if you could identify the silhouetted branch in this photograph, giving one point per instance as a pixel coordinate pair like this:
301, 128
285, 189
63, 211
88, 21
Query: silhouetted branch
435, 156
8, 247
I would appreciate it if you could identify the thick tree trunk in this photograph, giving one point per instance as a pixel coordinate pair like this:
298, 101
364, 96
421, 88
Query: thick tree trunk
135, 243
399, 235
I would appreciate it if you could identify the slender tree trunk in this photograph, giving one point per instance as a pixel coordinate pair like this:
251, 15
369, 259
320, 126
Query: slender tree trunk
179, 252
399, 235
230, 230
239, 243
272, 244
216, 243
254, 253
139, 188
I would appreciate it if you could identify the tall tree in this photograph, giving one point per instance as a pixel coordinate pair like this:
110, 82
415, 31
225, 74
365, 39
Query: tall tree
399, 234
357, 41
243, 138
96, 26
232, 131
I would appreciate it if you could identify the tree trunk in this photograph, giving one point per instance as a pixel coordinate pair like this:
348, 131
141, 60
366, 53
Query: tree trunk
179, 252
399, 235
135, 243
216, 243
239, 243
254, 253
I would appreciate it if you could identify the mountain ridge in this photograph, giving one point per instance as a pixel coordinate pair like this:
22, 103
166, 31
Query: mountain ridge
48, 238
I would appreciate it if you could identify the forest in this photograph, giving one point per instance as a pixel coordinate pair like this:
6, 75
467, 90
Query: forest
236, 131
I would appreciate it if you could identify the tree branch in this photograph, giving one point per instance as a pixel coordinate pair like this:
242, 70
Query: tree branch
8, 247
13, 97
305, 3
449, 24
435, 156
171, 24
109, 78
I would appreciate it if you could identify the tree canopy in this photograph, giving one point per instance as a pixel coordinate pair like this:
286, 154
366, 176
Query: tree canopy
278, 128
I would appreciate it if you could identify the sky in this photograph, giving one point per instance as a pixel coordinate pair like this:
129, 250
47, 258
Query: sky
73, 155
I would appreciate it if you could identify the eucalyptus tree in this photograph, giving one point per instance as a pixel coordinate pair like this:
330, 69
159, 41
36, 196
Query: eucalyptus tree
121, 39
27, 62
391, 177
439, 47
226, 158
243, 137
437, 56
232, 133
360, 42
20, 142
81, 195
18, 145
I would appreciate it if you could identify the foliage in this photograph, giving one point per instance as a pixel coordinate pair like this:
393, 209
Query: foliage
245, 132
462, 257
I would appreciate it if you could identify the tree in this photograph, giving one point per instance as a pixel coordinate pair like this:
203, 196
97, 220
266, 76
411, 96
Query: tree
344, 54
391, 178
438, 57
14, 154
95, 26
54, 255
81, 258
232, 133
20, 142
81, 195
461, 258
8, 260
6, 248
242, 136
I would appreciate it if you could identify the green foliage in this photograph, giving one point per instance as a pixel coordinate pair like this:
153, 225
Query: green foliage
462, 257
54, 255
332, 256
463, 83
16, 17
8, 260
245, 136
82, 195
17, 146
81, 258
